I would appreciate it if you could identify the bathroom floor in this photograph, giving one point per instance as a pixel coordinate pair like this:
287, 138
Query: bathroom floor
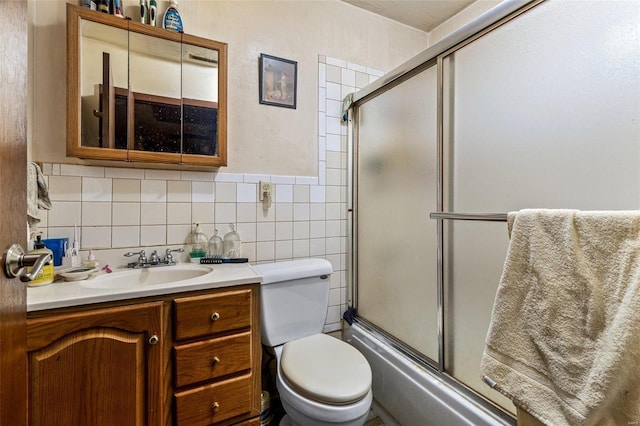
374, 420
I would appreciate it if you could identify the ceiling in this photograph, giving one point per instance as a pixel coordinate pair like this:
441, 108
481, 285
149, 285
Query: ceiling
424, 15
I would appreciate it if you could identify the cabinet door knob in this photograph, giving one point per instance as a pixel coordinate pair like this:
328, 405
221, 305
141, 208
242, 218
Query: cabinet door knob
215, 407
215, 361
154, 339
215, 316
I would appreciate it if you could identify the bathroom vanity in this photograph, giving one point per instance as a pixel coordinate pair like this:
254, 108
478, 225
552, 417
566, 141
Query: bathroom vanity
124, 353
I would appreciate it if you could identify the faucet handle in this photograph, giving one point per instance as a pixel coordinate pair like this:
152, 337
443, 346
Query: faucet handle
133, 253
168, 257
142, 259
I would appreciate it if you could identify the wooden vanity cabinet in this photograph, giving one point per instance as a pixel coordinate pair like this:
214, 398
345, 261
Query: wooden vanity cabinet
98, 367
216, 357
181, 359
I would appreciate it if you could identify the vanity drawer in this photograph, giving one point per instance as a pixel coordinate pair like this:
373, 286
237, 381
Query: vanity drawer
209, 314
214, 403
209, 359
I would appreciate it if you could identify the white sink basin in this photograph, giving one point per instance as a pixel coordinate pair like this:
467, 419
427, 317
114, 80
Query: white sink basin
132, 278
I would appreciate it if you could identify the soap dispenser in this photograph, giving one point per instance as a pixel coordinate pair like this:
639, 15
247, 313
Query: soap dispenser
215, 245
199, 245
232, 244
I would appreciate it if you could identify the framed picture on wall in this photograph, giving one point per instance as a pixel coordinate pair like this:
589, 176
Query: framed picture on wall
278, 81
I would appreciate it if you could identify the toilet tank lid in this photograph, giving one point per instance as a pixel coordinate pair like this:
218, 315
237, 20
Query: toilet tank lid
293, 270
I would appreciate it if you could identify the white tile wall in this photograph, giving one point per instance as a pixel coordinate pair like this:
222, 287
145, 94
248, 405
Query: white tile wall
122, 208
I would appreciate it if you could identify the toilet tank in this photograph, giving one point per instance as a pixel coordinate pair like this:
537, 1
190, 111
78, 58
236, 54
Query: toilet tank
294, 297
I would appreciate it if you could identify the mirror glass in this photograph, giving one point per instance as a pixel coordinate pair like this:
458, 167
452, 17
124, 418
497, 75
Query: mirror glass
104, 52
200, 100
143, 94
155, 82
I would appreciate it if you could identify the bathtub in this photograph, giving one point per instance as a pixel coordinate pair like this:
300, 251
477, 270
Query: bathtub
408, 394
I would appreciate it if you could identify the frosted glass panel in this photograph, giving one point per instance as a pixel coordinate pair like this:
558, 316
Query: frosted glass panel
542, 112
475, 253
396, 192
548, 118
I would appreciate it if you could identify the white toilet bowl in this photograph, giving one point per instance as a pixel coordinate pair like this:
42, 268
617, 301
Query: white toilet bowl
323, 381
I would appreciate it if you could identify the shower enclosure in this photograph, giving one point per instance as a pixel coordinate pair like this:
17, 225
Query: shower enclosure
533, 105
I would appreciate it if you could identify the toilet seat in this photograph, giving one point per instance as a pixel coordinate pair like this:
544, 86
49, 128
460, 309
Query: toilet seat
325, 369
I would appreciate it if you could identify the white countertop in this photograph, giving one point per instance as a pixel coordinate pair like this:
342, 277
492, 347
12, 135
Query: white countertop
61, 294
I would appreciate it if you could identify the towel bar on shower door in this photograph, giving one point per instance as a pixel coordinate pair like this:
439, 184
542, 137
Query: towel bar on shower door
489, 217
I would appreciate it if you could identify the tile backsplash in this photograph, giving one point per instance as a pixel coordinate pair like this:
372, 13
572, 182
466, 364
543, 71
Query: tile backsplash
125, 208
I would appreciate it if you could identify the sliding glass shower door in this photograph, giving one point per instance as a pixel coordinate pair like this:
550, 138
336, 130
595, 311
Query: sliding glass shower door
525, 118
397, 168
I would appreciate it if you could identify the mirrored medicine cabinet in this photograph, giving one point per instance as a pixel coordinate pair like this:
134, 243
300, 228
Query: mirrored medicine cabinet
144, 94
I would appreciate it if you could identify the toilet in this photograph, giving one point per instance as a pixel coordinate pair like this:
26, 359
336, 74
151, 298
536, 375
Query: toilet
321, 380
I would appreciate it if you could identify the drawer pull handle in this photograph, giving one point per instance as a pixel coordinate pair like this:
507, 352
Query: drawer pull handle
215, 316
154, 339
215, 407
215, 361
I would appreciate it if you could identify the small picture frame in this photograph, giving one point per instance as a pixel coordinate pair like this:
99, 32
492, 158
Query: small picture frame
278, 81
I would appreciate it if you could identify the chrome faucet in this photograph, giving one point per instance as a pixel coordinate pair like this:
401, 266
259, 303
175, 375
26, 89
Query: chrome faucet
142, 259
168, 257
154, 259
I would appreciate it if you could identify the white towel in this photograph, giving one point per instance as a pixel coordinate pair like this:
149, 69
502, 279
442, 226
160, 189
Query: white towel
37, 194
564, 339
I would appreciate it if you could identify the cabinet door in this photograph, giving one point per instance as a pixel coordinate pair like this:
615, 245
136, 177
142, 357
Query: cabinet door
101, 367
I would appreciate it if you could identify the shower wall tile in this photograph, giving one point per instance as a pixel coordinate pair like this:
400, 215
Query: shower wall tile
153, 213
77, 170
179, 213
228, 177
65, 213
96, 189
126, 190
246, 193
226, 192
121, 173
202, 213
285, 180
96, 214
225, 213
178, 191
265, 251
199, 176
154, 191
96, 236
153, 235
247, 212
125, 236
65, 188
284, 250
126, 208
202, 192
125, 214
300, 249
284, 193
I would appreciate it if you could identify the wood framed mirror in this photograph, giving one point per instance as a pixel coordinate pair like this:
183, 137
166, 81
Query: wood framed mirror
144, 94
